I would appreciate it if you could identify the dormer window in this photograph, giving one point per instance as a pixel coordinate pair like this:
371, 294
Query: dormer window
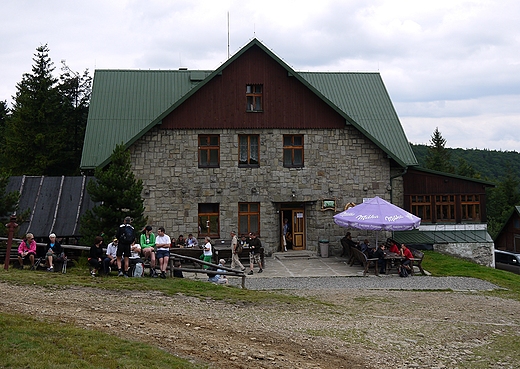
254, 97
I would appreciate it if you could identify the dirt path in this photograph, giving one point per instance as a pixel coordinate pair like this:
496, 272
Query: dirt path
355, 325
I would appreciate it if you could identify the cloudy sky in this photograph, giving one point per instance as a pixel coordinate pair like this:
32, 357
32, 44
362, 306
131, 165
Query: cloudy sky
451, 64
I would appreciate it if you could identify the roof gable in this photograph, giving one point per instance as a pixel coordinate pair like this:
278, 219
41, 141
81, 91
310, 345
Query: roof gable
127, 104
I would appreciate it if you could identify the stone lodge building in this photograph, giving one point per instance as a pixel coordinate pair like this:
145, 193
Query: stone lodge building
249, 144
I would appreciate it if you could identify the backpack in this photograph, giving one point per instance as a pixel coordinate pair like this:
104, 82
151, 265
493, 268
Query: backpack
138, 270
403, 272
128, 235
239, 248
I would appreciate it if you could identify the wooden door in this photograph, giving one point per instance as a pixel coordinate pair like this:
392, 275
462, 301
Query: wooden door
298, 227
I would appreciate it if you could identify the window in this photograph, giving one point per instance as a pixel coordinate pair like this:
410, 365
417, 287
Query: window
209, 223
293, 151
421, 207
249, 150
470, 207
209, 151
248, 217
445, 208
254, 97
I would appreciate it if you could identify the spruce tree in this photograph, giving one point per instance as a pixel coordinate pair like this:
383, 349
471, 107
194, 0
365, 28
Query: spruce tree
438, 157
8, 201
118, 194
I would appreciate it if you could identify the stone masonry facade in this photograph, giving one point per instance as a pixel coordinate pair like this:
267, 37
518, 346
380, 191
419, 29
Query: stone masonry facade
338, 164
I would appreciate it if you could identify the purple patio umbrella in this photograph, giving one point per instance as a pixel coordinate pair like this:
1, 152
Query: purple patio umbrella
377, 215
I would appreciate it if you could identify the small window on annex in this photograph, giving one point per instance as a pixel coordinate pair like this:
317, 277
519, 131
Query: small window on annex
209, 151
209, 222
470, 207
248, 217
445, 208
249, 151
254, 97
293, 151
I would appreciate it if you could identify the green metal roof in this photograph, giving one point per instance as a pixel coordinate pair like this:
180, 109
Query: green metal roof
440, 237
363, 96
125, 104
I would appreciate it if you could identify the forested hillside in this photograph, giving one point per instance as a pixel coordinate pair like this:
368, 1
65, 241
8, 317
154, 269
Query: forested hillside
491, 164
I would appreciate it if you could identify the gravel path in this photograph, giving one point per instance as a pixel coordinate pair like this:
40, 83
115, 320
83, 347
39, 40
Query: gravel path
371, 282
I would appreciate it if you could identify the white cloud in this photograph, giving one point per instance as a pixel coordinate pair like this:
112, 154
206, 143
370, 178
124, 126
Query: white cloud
452, 64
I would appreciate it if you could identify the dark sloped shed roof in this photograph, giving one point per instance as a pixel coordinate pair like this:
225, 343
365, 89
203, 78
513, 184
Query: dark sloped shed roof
56, 203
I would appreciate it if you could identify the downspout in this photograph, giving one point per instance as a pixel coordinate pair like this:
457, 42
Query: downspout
392, 188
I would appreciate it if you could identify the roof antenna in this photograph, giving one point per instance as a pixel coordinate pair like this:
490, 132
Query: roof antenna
228, 34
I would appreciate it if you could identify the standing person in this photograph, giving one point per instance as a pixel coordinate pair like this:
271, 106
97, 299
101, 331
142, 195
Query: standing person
235, 252
110, 260
148, 248
125, 235
53, 251
285, 231
192, 241
207, 253
27, 248
163, 243
255, 253
95, 258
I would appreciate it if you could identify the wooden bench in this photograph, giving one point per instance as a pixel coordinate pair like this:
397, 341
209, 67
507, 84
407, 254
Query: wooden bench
365, 261
417, 260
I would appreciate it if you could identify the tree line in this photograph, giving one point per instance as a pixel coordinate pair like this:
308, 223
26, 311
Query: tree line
499, 167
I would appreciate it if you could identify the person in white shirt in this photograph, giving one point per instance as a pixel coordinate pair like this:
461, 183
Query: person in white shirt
192, 241
163, 243
110, 261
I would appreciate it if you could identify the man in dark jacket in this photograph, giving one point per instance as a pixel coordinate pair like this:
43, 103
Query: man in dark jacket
124, 236
255, 253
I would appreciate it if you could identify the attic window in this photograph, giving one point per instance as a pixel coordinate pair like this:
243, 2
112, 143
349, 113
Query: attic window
254, 97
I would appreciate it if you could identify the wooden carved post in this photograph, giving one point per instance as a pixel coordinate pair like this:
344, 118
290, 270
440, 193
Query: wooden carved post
11, 226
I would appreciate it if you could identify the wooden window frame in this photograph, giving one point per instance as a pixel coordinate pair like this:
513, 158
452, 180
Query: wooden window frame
248, 148
206, 149
246, 212
209, 220
445, 204
291, 149
254, 98
421, 206
470, 208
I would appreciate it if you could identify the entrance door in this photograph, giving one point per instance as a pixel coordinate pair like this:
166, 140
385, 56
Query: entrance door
298, 226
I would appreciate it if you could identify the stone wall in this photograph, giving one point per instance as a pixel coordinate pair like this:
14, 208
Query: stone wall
339, 164
480, 253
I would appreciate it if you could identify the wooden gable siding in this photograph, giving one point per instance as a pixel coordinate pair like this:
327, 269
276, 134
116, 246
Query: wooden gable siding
418, 182
506, 239
221, 103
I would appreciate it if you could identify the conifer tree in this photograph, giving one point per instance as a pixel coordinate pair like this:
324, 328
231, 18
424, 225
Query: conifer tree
118, 194
8, 201
438, 157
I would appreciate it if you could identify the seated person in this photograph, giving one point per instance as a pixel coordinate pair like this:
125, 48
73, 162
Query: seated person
27, 249
407, 254
110, 261
380, 255
217, 278
366, 248
346, 243
394, 249
95, 258
53, 252
147, 240
181, 242
192, 241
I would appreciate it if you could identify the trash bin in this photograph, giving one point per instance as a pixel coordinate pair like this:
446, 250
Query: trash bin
324, 248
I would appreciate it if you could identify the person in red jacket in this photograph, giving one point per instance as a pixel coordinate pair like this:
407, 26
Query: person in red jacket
394, 249
27, 249
407, 254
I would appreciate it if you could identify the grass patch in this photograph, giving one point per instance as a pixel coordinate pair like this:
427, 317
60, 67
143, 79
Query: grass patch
79, 276
353, 336
441, 265
502, 349
28, 343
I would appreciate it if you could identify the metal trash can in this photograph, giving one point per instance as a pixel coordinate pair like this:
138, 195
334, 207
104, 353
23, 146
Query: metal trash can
324, 248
